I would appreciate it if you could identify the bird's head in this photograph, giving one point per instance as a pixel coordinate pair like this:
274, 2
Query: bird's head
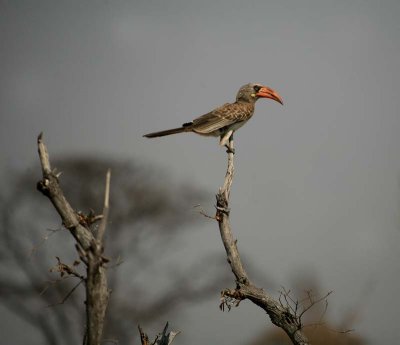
252, 92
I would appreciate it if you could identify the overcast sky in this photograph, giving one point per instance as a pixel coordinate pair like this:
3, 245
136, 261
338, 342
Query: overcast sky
317, 184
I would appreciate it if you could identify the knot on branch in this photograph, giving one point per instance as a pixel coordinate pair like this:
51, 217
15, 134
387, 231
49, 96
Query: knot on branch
43, 186
221, 206
242, 281
49, 176
222, 201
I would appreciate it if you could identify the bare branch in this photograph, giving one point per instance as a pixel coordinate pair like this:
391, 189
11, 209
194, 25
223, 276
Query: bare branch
283, 317
163, 338
103, 223
222, 217
50, 187
44, 155
89, 248
144, 339
203, 213
313, 302
64, 269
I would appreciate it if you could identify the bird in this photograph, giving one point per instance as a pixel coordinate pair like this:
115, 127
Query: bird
225, 120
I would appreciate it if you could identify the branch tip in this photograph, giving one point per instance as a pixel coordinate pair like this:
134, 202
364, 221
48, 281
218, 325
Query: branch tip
106, 206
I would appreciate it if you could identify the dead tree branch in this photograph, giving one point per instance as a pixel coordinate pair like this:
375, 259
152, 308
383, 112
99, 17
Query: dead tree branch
280, 315
89, 247
163, 338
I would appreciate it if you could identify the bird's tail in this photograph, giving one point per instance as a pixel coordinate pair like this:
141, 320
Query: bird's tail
166, 132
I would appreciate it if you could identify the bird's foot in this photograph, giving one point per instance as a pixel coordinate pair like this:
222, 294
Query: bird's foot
230, 149
221, 211
225, 210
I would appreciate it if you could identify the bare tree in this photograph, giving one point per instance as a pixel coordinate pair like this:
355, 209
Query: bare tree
285, 312
89, 246
145, 218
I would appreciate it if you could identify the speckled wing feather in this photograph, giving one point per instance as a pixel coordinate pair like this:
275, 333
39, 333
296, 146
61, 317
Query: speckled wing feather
224, 116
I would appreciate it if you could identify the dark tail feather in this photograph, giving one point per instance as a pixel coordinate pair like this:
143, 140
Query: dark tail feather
167, 132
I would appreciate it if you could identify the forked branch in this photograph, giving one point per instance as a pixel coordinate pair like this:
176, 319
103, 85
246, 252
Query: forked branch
90, 248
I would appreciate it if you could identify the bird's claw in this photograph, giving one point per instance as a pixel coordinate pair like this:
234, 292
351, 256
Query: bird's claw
230, 149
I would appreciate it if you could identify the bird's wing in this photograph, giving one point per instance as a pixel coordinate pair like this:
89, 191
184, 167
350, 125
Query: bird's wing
223, 116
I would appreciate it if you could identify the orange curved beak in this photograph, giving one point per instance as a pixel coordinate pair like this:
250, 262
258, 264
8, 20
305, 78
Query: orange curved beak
266, 92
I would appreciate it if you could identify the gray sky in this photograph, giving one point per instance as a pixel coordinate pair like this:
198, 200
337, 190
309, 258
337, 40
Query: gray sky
317, 183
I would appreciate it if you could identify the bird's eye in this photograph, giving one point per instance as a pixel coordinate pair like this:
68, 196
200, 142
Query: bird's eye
257, 88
